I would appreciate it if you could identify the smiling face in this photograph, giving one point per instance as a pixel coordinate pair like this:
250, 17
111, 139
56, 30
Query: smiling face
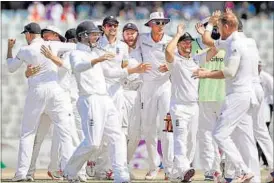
185, 46
130, 37
110, 29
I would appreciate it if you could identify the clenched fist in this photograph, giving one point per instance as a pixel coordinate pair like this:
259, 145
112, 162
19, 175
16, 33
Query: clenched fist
11, 43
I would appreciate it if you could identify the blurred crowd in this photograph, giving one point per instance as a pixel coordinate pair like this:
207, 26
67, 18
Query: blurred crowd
129, 10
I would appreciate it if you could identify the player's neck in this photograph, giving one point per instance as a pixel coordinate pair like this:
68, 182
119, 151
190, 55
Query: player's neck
111, 39
156, 37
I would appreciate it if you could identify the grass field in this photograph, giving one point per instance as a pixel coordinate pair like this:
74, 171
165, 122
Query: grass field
41, 176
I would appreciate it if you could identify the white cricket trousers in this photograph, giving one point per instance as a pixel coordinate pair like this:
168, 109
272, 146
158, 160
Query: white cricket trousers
102, 159
46, 98
41, 133
261, 132
99, 119
155, 97
185, 126
132, 119
209, 152
233, 131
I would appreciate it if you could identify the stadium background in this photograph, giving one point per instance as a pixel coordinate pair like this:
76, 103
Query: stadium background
257, 19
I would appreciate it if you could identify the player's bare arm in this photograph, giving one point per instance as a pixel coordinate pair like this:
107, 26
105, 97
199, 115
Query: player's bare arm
141, 68
47, 52
11, 43
206, 37
173, 43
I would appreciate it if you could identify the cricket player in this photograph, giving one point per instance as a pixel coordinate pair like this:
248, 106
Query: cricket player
211, 96
184, 106
68, 83
110, 43
44, 96
155, 103
99, 116
234, 126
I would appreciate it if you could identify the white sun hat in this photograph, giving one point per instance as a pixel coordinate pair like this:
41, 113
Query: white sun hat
157, 16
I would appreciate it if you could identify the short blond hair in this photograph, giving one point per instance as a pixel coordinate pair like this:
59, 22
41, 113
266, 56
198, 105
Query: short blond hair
230, 19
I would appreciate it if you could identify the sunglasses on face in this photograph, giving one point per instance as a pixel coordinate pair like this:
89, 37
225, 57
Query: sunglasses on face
159, 22
111, 25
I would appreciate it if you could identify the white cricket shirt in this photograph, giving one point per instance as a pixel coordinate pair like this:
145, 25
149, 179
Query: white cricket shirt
154, 53
184, 88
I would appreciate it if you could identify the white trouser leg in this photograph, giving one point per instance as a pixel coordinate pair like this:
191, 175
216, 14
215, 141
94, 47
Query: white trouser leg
149, 122
99, 118
209, 151
244, 139
166, 138
193, 128
41, 133
235, 109
60, 113
134, 126
77, 119
260, 129
182, 115
34, 107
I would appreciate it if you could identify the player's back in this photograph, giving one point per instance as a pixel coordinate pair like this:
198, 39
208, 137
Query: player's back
32, 55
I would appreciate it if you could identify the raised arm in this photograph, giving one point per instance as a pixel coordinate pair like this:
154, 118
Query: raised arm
171, 47
206, 36
13, 63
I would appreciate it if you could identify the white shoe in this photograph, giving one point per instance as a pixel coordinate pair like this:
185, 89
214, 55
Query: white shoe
105, 175
18, 179
55, 175
152, 174
208, 176
90, 168
30, 178
82, 178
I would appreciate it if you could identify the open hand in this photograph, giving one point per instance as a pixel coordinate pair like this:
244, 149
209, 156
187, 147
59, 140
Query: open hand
144, 67
32, 70
200, 28
47, 52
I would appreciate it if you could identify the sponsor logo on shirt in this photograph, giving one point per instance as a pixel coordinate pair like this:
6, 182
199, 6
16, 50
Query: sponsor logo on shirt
216, 59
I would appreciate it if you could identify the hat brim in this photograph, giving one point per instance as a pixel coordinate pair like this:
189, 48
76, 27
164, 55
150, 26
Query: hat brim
111, 22
62, 38
24, 31
166, 20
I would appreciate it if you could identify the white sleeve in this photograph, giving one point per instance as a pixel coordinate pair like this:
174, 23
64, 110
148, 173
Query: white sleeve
268, 82
63, 47
15, 63
114, 72
233, 62
66, 61
78, 64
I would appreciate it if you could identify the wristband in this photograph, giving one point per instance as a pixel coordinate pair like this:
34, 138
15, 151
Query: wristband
209, 27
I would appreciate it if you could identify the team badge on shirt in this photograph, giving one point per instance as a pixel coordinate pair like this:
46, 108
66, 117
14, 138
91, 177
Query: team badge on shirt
91, 122
177, 122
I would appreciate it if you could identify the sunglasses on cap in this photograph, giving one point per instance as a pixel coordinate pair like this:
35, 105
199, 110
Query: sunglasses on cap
159, 22
111, 25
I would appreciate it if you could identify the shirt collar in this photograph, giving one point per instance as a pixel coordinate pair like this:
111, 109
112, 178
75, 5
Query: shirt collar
81, 46
185, 58
35, 40
104, 41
